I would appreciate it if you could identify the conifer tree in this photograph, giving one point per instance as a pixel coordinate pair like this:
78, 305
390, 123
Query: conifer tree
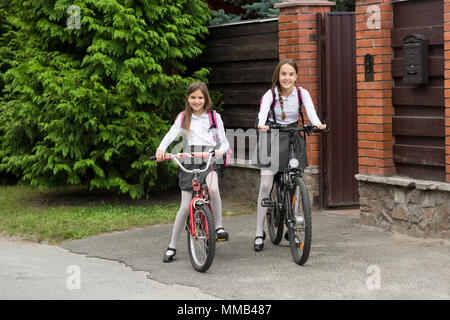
87, 102
264, 9
252, 9
5, 56
343, 5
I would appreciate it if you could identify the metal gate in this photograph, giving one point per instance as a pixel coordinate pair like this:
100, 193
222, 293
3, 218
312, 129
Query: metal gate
339, 154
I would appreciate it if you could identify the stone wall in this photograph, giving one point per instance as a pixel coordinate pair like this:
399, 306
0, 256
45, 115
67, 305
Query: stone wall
417, 208
242, 183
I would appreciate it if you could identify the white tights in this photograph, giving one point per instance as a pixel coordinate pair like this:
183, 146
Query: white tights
264, 192
186, 197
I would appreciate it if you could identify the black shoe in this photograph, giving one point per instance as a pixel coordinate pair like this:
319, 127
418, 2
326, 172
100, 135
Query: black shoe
169, 258
221, 236
259, 247
286, 236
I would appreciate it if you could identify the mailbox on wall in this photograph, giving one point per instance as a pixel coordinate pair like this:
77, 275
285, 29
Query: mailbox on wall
415, 59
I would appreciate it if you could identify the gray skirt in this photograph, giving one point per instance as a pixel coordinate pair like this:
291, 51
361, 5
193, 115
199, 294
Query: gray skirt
272, 150
184, 178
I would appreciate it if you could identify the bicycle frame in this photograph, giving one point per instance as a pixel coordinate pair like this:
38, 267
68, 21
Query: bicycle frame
285, 185
286, 177
199, 196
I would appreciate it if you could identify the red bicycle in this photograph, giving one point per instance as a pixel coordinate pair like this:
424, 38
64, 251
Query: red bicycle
201, 238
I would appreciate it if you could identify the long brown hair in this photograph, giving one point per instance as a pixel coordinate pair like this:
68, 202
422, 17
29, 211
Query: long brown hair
194, 86
276, 80
276, 73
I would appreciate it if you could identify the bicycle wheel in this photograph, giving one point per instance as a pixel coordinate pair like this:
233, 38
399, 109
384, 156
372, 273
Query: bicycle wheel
202, 246
300, 227
275, 216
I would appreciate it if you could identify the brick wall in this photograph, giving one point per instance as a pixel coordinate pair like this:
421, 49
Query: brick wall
375, 111
418, 208
447, 85
298, 40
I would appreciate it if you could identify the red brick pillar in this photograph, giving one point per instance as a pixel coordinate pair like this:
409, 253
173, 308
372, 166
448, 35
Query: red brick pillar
447, 85
298, 36
374, 23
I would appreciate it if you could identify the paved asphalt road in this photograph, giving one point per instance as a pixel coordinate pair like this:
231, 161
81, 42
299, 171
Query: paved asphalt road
347, 261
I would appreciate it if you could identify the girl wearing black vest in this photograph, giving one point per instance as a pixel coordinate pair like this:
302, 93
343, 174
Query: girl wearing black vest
286, 111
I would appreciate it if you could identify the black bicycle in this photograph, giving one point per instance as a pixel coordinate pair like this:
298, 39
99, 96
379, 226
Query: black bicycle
289, 202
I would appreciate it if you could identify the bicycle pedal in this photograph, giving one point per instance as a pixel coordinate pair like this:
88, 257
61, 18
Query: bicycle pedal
222, 238
266, 202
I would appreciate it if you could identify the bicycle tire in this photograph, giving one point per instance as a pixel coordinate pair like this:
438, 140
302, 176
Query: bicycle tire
202, 247
300, 234
275, 216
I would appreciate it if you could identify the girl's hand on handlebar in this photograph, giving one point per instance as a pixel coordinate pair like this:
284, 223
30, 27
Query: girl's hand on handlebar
322, 127
263, 127
218, 153
159, 155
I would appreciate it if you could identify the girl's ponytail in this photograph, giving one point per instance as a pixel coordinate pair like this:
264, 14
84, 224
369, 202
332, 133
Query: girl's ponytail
280, 98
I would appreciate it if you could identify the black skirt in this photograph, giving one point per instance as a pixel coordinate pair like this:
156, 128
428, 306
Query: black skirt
184, 178
272, 150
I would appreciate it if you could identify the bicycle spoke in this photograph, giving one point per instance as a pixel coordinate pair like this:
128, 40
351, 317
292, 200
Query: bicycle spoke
275, 216
300, 228
299, 219
200, 242
201, 245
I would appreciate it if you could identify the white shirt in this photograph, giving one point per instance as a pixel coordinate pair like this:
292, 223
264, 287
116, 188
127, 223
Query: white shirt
291, 108
200, 133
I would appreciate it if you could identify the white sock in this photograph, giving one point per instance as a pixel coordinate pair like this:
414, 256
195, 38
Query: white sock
264, 192
216, 202
180, 220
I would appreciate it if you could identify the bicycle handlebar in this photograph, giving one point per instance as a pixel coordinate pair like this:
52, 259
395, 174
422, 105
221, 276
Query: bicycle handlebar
308, 128
175, 157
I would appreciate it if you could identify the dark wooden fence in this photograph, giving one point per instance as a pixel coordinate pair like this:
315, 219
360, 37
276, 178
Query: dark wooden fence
418, 123
242, 57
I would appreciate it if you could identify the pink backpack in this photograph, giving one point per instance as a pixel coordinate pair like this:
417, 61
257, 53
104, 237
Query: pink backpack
213, 122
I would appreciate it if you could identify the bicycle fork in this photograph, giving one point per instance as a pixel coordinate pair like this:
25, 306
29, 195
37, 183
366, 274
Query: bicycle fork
296, 222
196, 201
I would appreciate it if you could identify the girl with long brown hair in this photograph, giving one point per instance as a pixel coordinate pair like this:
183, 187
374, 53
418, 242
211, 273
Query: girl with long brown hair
194, 125
288, 102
